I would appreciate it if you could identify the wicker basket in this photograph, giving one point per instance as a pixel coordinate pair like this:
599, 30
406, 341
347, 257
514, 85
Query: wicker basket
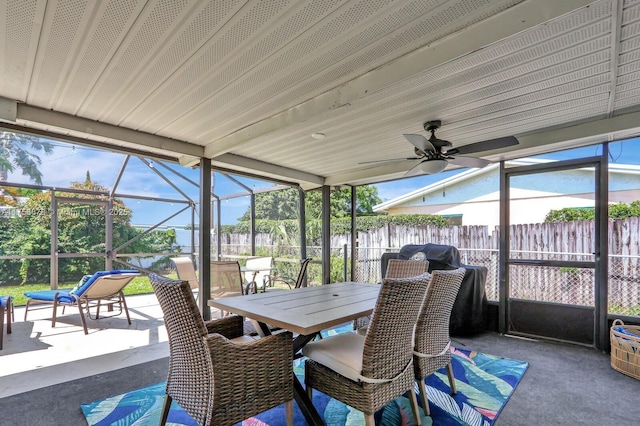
625, 349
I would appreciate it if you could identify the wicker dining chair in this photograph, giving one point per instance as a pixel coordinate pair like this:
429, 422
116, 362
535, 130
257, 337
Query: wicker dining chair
400, 268
432, 341
367, 372
396, 268
216, 374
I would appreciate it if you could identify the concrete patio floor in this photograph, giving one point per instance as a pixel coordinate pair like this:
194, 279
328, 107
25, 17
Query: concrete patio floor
48, 372
37, 355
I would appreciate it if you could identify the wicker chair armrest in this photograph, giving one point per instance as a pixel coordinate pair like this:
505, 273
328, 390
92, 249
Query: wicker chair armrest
263, 368
229, 327
269, 352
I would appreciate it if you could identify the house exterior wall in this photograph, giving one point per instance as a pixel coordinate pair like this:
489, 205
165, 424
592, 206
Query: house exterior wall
532, 196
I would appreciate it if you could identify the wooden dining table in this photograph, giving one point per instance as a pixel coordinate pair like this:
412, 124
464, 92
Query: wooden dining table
306, 312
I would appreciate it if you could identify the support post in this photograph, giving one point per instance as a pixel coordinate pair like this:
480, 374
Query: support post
108, 238
219, 228
601, 249
302, 225
354, 232
193, 232
53, 279
503, 267
345, 259
204, 233
253, 223
326, 235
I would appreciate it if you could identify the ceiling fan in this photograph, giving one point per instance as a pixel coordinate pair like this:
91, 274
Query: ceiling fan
436, 153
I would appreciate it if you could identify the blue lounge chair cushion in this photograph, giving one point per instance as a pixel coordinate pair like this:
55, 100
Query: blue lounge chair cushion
4, 300
82, 281
65, 294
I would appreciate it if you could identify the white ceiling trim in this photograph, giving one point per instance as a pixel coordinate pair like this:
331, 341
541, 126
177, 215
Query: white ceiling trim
513, 20
64, 124
616, 19
8, 110
256, 167
603, 129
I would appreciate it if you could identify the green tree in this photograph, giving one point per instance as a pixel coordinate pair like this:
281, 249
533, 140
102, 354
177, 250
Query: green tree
570, 214
274, 205
623, 211
283, 204
81, 228
21, 151
153, 242
616, 211
366, 198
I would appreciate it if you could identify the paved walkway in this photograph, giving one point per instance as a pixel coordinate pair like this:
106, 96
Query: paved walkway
36, 355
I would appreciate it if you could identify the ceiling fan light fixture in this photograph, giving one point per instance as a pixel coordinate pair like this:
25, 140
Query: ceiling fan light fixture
433, 166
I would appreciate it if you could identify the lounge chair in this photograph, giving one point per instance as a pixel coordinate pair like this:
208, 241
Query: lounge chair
256, 272
291, 281
6, 305
226, 280
101, 288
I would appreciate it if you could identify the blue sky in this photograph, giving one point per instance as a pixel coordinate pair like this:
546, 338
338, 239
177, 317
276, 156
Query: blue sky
69, 163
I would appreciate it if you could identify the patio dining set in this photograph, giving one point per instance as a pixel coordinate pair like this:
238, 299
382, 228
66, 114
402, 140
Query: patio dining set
400, 336
403, 339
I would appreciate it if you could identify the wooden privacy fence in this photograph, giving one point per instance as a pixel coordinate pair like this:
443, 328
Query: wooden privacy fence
570, 241
478, 245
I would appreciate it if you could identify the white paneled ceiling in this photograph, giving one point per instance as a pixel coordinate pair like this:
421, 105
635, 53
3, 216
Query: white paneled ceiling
246, 83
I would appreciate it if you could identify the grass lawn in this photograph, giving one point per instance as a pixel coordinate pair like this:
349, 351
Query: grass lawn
139, 285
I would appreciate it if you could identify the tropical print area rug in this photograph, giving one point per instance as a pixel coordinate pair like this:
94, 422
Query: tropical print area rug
484, 384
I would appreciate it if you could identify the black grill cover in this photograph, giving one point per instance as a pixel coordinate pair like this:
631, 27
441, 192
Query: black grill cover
468, 315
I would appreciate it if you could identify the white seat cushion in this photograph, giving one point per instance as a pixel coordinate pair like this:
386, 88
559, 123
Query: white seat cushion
244, 339
342, 353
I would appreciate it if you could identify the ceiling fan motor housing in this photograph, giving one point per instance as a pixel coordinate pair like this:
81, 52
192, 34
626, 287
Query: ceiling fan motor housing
428, 155
432, 125
434, 154
438, 144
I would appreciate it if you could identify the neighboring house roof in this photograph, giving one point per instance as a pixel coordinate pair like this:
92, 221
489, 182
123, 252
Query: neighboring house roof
470, 174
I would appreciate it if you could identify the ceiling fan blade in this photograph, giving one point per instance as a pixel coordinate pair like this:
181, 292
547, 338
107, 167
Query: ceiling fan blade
389, 160
428, 167
469, 161
420, 142
484, 145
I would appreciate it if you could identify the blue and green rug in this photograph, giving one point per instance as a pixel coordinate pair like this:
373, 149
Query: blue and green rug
484, 383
